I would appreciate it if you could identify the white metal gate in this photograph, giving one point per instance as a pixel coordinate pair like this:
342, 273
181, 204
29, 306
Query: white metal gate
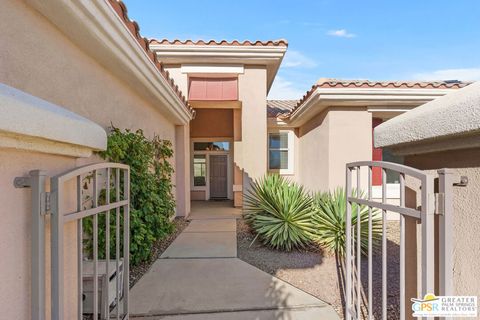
431, 203
85, 195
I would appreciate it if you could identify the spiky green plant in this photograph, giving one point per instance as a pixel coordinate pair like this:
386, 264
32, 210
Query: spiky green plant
280, 212
329, 220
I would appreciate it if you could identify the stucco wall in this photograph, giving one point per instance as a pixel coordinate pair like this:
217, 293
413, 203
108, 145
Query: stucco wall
182, 170
350, 134
15, 233
181, 79
38, 59
313, 151
328, 142
250, 152
197, 195
466, 203
210, 123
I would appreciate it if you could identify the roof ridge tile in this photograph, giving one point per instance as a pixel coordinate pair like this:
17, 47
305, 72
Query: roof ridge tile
222, 42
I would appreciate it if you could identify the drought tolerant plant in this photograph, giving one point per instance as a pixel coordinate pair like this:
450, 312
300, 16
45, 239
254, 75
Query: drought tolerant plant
329, 220
151, 196
280, 212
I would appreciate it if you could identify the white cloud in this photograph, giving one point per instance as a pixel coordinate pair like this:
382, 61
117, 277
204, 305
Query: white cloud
295, 59
465, 74
284, 90
342, 33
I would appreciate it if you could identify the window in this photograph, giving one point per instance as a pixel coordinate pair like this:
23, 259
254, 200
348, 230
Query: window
280, 154
387, 155
199, 170
211, 146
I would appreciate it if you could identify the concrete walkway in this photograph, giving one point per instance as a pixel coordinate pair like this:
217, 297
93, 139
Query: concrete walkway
199, 277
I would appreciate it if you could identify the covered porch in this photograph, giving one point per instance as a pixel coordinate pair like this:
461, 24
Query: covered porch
216, 176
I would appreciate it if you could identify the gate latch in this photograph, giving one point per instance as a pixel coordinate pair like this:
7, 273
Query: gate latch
45, 197
462, 183
22, 182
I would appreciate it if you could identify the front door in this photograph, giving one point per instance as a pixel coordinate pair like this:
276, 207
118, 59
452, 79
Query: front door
218, 176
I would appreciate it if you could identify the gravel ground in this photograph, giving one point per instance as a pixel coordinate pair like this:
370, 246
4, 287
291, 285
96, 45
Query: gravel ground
158, 248
317, 273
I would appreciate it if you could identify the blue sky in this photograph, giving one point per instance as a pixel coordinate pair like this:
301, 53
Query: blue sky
376, 40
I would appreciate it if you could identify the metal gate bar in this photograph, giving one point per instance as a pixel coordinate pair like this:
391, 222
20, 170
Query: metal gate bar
60, 217
44, 202
425, 214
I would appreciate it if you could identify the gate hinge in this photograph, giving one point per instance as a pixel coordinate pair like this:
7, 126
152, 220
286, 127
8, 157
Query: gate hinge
440, 203
45, 202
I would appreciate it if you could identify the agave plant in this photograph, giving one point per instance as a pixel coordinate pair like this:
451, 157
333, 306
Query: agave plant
280, 212
330, 222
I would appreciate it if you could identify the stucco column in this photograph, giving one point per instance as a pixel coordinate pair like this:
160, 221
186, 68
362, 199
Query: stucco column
237, 171
251, 152
182, 170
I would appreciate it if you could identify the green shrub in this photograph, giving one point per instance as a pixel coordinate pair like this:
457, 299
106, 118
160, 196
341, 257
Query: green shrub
152, 202
280, 212
330, 222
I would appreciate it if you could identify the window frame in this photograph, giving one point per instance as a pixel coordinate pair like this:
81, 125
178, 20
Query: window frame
290, 151
204, 164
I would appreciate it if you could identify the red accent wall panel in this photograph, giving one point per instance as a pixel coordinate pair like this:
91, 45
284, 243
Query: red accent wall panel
376, 156
218, 89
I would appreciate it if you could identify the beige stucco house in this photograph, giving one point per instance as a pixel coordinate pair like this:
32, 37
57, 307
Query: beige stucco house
238, 135
70, 69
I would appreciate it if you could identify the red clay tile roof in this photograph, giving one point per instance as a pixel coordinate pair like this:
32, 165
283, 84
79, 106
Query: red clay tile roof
134, 29
336, 83
270, 43
277, 108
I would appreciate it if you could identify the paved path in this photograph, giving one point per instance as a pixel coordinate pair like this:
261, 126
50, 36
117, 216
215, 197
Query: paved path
199, 278
211, 238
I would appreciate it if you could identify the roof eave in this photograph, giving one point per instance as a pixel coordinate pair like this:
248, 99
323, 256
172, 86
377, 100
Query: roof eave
321, 98
270, 56
96, 28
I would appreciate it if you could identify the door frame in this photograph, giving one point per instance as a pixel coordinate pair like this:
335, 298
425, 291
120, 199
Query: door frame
229, 154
